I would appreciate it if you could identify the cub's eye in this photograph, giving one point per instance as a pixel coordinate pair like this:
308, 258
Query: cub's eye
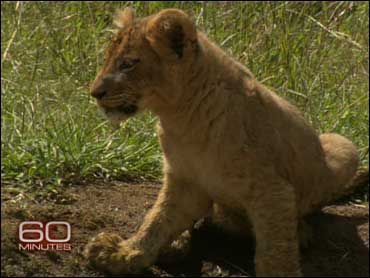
128, 64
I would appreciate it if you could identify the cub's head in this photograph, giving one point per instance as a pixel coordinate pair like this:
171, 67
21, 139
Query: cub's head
142, 60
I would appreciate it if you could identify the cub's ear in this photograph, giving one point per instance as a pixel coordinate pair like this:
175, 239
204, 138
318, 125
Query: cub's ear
124, 17
171, 33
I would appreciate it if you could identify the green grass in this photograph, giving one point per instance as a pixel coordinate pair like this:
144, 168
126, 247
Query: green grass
316, 54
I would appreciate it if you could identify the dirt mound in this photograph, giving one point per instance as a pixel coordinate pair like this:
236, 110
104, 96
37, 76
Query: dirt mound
340, 247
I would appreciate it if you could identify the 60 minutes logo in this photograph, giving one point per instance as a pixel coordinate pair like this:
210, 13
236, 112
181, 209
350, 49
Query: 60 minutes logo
49, 236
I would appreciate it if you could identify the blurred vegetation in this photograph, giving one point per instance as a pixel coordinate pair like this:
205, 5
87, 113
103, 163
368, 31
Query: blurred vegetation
316, 54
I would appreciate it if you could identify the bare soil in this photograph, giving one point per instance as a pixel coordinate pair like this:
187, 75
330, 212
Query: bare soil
340, 247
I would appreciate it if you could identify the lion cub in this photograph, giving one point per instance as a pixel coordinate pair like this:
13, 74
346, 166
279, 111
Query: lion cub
226, 140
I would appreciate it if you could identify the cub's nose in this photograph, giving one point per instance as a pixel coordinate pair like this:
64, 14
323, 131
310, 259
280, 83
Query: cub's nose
98, 94
98, 89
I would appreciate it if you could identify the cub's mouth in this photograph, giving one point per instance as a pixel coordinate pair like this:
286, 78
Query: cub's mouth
120, 113
129, 109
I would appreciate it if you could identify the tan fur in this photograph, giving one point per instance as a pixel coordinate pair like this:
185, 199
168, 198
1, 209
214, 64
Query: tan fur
227, 141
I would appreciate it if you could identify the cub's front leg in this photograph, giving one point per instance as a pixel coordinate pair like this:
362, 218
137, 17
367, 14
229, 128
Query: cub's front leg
273, 212
179, 204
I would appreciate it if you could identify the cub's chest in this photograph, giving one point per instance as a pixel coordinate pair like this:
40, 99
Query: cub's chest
186, 159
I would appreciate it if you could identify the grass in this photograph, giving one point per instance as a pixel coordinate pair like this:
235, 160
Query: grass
316, 54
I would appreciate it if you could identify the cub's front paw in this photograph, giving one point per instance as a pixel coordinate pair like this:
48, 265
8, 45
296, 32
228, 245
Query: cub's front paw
109, 253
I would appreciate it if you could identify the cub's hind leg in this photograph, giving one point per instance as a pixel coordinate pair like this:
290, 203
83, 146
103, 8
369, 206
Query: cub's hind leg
341, 157
341, 163
339, 168
237, 223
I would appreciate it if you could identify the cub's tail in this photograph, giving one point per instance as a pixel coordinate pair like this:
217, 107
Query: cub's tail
360, 180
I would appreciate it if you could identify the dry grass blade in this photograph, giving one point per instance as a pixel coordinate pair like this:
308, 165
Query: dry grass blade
19, 9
